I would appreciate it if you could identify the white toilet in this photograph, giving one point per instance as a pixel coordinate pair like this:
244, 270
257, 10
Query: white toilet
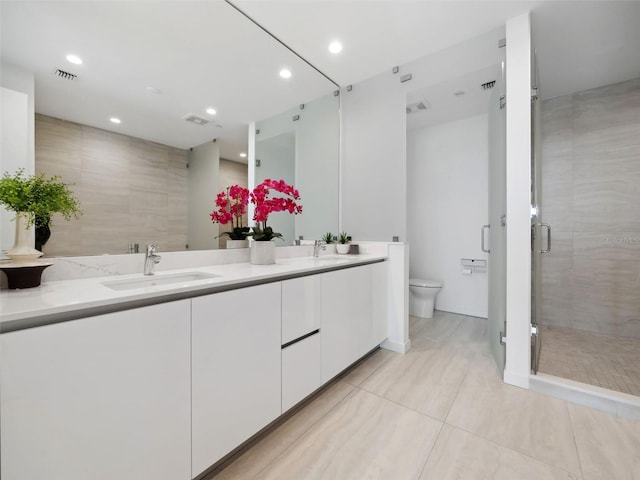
422, 297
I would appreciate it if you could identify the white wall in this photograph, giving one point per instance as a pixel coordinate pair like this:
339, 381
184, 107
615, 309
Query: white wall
447, 192
373, 162
16, 136
204, 163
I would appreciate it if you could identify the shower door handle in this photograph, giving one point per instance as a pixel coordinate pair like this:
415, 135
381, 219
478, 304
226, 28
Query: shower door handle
548, 227
482, 246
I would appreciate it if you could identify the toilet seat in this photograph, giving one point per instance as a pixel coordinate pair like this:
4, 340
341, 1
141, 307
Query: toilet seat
419, 282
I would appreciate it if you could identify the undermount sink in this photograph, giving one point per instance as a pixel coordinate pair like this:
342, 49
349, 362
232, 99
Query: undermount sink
155, 280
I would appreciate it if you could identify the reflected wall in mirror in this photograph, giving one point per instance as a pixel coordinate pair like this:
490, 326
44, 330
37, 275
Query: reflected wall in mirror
302, 147
131, 177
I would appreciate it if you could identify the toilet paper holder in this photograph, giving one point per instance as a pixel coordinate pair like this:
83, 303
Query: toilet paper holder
473, 265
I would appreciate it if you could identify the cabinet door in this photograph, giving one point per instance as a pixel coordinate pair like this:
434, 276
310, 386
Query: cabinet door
301, 374
346, 309
105, 397
236, 378
300, 307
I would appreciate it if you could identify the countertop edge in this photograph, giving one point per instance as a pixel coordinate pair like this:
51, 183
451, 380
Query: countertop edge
111, 305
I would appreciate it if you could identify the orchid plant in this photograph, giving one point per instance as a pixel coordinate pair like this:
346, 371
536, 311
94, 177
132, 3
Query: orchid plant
266, 204
232, 205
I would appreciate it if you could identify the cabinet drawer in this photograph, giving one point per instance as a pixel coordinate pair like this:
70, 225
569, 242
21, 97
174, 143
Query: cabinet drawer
300, 370
300, 307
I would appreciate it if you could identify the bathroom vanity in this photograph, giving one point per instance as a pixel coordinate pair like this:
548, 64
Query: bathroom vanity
107, 378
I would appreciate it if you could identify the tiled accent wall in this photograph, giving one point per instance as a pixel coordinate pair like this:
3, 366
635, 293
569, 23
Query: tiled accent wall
591, 198
130, 190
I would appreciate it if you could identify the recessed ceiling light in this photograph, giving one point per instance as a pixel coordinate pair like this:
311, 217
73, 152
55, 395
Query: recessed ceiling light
115, 120
74, 59
155, 90
459, 93
285, 73
335, 47
211, 111
243, 155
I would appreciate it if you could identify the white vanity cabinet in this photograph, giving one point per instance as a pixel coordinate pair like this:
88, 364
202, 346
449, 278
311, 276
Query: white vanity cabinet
236, 371
104, 397
353, 321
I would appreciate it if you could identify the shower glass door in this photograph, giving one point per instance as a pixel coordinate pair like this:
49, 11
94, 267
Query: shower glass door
497, 221
540, 232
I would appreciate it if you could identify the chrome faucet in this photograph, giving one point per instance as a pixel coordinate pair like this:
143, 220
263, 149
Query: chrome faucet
317, 245
151, 259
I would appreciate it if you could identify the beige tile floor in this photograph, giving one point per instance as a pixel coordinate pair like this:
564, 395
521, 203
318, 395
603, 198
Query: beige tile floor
602, 360
441, 412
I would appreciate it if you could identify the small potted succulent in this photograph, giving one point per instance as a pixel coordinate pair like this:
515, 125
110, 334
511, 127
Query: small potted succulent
343, 243
329, 239
232, 205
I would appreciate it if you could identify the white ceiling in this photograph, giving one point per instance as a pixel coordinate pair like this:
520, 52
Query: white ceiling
204, 53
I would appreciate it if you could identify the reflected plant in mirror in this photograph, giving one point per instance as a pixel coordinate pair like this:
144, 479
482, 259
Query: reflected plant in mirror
232, 206
266, 205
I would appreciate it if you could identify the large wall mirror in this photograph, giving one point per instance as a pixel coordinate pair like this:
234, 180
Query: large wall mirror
160, 67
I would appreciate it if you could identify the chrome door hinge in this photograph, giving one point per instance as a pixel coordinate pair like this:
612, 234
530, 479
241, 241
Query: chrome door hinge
534, 94
503, 338
503, 220
503, 101
534, 330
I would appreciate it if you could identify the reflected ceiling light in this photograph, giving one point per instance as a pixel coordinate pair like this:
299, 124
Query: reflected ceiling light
285, 73
155, 90
335, 47
459, 93
76, 60
115, 120
243, 155
211, 111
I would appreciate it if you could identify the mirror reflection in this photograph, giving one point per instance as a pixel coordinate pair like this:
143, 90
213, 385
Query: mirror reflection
153, 177
301, 146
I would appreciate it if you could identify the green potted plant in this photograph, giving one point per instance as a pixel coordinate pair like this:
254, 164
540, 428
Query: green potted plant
34, 199
343, 243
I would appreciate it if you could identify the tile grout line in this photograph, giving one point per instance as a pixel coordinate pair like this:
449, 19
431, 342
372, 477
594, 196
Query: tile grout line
575, 440
313, 424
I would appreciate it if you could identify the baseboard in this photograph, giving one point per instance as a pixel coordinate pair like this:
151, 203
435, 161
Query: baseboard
462, 310
398, 347
516, 379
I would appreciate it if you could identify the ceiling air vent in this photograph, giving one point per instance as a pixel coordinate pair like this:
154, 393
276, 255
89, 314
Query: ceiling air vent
488, 85
65, 75
418, 107
196, 119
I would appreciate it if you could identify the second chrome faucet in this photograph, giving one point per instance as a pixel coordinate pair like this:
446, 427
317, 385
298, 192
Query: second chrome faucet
151, 259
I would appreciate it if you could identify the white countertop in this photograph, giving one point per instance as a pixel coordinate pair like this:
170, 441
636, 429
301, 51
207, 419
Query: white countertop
58, 301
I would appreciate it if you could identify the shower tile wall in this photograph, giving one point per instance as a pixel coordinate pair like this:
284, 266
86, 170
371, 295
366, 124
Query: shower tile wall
591, 197
130, 190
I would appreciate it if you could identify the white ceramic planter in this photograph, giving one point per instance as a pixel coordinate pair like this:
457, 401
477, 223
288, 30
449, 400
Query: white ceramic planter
263, 253
237, 244
22, 250
343, 248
